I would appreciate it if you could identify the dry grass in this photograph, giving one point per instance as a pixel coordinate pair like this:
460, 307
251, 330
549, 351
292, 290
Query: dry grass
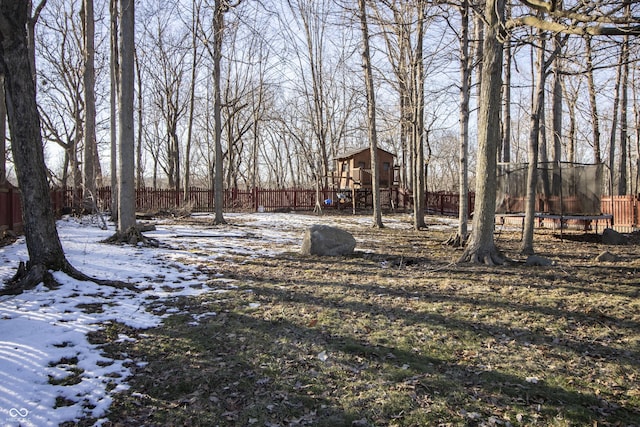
399, 335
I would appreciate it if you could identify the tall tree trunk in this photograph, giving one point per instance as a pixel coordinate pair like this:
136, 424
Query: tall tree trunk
371, 115
76, 174
406, 114
463, 144
126, 182
556, 108
89, 77
481, 246
636, 114
3, 133
614, 128
542, 139
417, 122
478, 54
506, 99
315, 50
114, 73
595, 121
192, 97
572, 100
139, 163
32, 19
43, 243
624, 105
218, 28
532, 167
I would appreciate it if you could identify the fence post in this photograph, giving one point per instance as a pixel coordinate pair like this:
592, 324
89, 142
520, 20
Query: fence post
255, 199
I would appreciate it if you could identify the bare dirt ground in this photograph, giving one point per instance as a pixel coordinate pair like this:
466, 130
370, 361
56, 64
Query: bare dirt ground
398, 334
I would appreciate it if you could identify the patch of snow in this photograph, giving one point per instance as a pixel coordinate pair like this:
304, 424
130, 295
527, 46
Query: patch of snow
43, 332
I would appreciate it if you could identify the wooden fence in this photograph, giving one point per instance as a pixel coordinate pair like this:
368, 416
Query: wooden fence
202, 200
623, 208
443, 203
10, 209
269, 200
265, 200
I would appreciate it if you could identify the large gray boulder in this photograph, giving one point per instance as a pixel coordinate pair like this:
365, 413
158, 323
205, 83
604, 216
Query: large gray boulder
327, 241
612, 237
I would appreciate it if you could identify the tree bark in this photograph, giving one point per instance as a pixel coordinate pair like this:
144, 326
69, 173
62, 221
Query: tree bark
114, 72
41, 235
126, 184
572, 99
371, 115
417, 123
481, 247
624, 105
3, 132
194, 72
557, 117
506, 116
463, 144
595, 121
139, 164
614, 129
218, 191
532, 167
89, 77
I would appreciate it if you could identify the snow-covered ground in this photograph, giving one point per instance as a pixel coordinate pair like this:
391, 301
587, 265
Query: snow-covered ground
49, 372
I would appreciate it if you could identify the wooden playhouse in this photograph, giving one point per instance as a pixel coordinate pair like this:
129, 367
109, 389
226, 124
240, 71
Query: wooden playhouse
353, 178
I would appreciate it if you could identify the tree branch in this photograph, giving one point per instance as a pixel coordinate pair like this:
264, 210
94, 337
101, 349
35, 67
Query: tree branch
557, 27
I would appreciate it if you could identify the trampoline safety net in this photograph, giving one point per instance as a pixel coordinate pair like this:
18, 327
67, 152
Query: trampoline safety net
564, 189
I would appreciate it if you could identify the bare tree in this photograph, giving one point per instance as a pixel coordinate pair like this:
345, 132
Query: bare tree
114, 85
371, 114
43, 243
418, 129
214, 46
624, 105
506, 114
595, 121
220, 8
312, 17
614, 125
89, 77
397, 36
571, 89
537, 135
481, 246
537, 110
195, 13
126, 136
60, 97
164, 64
141, 126
557, 113
463, 140
32, 19
407, 61
3, 133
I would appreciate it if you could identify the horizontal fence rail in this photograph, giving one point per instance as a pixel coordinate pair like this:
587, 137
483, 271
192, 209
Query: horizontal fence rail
150, 200
265, 200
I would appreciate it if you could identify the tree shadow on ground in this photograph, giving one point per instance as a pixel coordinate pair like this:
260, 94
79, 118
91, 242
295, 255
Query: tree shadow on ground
316, 344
